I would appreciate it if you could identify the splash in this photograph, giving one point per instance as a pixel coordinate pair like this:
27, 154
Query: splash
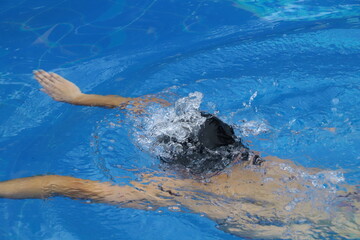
178, 123
253, 128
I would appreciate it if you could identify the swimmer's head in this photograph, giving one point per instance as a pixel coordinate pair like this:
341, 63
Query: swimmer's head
208, 151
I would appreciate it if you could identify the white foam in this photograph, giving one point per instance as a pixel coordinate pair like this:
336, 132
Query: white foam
177, 122
253, 128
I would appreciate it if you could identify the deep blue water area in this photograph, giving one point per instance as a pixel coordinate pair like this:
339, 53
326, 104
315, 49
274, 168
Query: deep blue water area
285, 74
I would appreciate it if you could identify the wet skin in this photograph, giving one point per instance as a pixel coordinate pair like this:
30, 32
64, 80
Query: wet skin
246, 200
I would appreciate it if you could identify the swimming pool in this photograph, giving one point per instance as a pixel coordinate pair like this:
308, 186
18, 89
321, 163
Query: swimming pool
284, 73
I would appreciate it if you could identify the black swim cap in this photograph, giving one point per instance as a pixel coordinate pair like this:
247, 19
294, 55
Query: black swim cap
211, 149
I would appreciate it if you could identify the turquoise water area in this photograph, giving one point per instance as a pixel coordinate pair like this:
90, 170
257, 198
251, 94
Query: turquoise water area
285, 74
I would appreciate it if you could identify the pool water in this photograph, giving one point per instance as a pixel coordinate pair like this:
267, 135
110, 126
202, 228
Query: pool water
285, 74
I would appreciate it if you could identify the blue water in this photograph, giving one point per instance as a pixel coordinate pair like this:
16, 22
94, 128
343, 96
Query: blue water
285, 73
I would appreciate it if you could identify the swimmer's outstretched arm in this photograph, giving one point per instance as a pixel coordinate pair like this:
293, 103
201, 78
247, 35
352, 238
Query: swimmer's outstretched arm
163, 192
43, 187
63, 90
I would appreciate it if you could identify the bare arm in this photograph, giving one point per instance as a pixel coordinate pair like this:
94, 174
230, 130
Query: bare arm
53, 185
100, 192
242, 216
63, 90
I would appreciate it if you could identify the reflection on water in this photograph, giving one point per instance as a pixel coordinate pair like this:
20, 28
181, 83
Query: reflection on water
295, 10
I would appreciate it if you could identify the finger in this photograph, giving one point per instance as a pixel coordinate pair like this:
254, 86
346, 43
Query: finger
57, 77
40, 75
43, 77
47, 76
40, 81
43, 81
45, 73
49, 87
36, 73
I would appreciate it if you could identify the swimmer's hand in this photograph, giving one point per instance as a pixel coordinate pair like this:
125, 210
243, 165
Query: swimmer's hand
58, 87
63, 90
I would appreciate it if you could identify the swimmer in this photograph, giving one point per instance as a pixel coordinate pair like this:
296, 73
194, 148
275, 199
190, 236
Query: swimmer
243, 193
